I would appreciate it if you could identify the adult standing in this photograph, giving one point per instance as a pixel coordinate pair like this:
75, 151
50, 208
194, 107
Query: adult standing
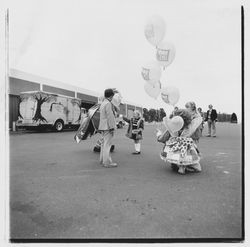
107, 127
211, 119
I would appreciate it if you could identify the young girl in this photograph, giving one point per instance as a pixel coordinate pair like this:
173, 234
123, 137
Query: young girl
180, 148
203, 119
195, 127
134, 132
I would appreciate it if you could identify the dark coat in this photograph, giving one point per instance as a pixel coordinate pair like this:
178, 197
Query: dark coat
140, 125
213, 115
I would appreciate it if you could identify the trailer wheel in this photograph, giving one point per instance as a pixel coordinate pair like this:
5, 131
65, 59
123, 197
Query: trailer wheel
58, 126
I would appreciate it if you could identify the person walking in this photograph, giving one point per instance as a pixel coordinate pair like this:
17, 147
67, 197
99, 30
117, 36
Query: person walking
211, 119
135, 128
107, 127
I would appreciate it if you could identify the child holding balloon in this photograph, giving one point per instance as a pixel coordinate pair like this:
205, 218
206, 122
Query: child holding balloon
180, 149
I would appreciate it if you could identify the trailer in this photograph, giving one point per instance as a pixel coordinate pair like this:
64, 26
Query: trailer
44, 109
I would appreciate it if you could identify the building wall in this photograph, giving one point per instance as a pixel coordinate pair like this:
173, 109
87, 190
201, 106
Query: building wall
123, 109
57, 90
87, 98
139, 109
16, 86
131, 109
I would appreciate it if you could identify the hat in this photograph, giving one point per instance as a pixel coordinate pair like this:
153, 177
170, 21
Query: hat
108, 93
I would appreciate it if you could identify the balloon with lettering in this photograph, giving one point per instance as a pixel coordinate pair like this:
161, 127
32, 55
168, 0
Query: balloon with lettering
151, 71
153, 89
155, 29
165, 53
173, 124
170, 95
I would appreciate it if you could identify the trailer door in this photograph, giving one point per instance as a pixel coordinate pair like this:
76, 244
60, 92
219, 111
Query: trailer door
28, 108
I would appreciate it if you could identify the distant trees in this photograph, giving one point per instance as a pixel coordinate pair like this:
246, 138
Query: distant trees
223, 117
157, 115
162, 114
145, 114
153, 114
234, 118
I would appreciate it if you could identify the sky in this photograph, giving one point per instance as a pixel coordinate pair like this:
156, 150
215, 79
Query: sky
101, 43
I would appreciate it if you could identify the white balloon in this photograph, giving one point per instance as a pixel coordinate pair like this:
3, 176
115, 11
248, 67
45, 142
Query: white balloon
116, 100
153, 89
174, 124
170, 95
165, 53
155, 29
151, 71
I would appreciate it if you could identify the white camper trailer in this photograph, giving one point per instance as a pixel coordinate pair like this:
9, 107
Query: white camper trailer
39, 108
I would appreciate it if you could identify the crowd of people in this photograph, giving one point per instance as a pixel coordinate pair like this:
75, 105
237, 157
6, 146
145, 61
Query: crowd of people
180, 148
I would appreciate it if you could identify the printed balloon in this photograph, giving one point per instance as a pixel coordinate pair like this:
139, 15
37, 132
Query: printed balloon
170, 95
153, 89
165, 53
155, 29
151, 71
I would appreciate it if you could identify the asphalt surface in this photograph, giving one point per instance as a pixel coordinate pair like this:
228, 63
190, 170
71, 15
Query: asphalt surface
58, 190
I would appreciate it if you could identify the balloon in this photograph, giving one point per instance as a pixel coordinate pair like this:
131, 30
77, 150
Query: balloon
151, 71
170, 95
155, 29
174, 124
153, 89
165, 53
116, 100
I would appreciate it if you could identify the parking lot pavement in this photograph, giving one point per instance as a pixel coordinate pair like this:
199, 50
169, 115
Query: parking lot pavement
59, 190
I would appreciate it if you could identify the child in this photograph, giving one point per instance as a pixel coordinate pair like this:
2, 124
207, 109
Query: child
180, 149
196, 124
203, 119
134, 132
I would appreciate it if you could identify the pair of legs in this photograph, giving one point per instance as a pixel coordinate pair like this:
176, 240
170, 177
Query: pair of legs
137, 147
105, 158
211, 126
97, 147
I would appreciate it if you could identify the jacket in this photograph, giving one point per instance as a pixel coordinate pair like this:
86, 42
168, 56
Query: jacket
107, 116
213, 115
